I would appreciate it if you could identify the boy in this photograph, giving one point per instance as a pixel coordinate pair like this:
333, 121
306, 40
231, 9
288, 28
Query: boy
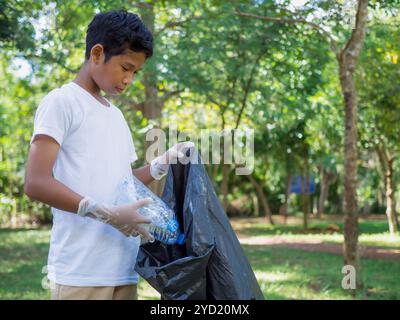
81, 149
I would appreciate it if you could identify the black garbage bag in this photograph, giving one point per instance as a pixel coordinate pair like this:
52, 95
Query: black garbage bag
211, 265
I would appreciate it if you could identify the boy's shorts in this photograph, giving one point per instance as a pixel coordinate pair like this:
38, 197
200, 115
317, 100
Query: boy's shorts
62, 292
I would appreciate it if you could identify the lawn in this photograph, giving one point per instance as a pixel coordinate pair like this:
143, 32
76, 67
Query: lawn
282, 273
371, 232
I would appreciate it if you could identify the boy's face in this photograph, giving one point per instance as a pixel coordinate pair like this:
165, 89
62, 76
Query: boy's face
118, 72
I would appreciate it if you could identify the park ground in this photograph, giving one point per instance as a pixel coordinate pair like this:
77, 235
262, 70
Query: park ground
289, 262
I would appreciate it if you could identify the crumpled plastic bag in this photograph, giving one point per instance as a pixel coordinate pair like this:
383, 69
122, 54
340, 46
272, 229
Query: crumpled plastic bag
212, 264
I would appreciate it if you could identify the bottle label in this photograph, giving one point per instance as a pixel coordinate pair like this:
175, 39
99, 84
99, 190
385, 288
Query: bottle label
173, 225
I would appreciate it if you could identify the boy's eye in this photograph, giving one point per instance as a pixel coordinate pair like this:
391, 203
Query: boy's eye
126, 69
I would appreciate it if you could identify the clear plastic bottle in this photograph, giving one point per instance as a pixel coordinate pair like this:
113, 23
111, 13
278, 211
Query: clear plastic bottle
164, 226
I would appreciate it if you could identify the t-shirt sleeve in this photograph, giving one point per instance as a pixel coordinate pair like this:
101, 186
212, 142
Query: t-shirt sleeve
53, 117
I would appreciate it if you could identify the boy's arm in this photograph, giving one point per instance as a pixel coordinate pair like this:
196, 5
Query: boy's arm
143, 174
39, 182
41, 186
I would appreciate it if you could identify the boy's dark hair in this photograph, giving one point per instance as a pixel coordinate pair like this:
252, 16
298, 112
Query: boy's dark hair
118, 31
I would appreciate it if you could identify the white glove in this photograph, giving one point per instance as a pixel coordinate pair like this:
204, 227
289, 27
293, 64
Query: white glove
160, 165
124, 218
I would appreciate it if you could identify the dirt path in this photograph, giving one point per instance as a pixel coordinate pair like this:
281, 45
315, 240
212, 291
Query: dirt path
318, 246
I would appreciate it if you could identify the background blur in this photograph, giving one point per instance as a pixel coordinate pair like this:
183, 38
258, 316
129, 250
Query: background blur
220, 65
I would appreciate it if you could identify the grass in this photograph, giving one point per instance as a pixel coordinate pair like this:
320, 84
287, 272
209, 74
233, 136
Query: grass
294, 274
23, 253
282, 273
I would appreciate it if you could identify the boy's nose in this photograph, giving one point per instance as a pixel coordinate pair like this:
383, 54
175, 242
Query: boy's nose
128, 80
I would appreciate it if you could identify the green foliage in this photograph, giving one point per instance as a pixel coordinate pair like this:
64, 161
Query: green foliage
224, 71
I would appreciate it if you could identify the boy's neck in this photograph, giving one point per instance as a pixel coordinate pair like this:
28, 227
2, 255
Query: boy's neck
84, 79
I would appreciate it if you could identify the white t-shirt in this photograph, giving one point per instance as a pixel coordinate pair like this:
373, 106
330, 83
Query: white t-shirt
95, 156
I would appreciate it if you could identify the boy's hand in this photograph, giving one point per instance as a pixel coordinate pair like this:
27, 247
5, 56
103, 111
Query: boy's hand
159, 166
125, 218
176, 152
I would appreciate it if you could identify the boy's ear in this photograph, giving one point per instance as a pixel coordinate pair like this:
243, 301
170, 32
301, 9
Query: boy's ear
97, 53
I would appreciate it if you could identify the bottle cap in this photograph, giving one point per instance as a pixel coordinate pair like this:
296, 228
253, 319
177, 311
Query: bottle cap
181, 239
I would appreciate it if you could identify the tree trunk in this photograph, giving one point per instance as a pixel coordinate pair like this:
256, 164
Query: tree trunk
347, 59
386, 162
351, 255
305, 182
151, 105
390, 200
325, 181
256, 206
283, 210
13, 213
263, 198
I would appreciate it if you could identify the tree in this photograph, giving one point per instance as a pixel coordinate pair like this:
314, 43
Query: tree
222, 69
346, 57
380, 98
